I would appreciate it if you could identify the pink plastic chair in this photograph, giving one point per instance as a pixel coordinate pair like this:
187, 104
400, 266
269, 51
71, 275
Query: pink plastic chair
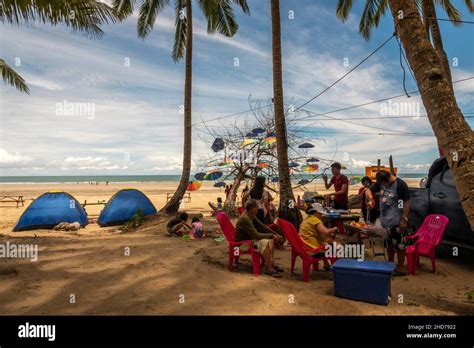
301, 249
234, 250
428, 237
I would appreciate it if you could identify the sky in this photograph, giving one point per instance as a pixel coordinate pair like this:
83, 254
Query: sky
131, 91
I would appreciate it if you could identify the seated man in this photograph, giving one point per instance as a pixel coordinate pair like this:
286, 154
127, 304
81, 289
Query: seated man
178, 225
313, 232
249, 227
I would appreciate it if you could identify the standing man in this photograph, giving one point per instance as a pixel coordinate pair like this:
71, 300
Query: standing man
341, 187
394, 208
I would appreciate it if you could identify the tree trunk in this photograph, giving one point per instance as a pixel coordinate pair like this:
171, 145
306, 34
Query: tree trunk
454, 135
173, 204
438, 42
235, 186
286, 193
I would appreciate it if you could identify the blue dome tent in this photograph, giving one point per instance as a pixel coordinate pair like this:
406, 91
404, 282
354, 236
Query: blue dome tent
50, 209
123, 205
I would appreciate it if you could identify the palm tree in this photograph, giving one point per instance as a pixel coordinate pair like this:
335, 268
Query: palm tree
81, 15
431, 70
286, 192
220, 17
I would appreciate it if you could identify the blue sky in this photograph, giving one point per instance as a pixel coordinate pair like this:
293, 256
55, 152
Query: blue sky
137, 126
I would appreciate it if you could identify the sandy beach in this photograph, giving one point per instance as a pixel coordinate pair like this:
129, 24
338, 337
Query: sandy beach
92, 265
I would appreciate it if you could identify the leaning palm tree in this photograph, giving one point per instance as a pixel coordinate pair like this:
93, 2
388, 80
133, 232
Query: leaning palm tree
220, 18
431, 69
85, 16
286, 191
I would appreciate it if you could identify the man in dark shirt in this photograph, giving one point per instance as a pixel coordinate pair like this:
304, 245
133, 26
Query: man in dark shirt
249, 227
394, 203
341, 186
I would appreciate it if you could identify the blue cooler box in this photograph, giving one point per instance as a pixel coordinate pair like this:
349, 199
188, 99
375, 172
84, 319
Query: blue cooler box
367, 281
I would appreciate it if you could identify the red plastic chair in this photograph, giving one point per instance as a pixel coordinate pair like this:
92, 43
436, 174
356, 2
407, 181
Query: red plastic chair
301, 249
428, 237
234, 250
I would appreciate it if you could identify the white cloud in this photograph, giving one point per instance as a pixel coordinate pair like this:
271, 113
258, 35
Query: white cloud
7, 159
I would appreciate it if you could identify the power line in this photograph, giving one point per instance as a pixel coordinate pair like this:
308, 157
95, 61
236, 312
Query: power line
343, 76
367, 103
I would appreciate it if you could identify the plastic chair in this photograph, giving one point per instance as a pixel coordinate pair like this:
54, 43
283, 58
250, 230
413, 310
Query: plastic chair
234, 250
428, 237
301, 249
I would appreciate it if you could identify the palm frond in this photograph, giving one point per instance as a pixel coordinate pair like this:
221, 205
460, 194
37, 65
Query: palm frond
180, 32
147, 15
469, 5
81, 15
12, 78
124, 8
371, 15
222, 19
245, 7
452, 12
343, 9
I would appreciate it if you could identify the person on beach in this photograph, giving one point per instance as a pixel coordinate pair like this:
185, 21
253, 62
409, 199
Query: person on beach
341, 187
314, 233
216, 208
197, 230
244, 194
369, 207
263, 198
178, 225
249, 227
394, 209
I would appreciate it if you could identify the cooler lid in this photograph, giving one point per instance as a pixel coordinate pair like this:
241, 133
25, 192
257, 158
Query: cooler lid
366, 266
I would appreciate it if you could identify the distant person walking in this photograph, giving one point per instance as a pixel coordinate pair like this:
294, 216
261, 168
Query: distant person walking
341, 187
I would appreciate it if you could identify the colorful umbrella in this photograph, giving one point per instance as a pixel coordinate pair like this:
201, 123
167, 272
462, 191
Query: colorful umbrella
293, 165
309, 168
213, 175
248, 142
312, 159
218, 145
306, 146
271, 134
226, 162
258, 131
269, 141
199, 176
250, 135
303, 182
194, 186
219, 184
262, 165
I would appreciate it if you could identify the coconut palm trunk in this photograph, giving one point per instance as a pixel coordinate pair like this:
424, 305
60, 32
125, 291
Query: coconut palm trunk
454, 135
173, 204
286, 192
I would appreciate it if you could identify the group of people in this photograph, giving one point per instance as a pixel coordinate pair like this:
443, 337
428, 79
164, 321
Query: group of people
386, 199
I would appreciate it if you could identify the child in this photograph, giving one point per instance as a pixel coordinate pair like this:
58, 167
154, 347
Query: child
218, 208
196, 231
219, 204
178, 225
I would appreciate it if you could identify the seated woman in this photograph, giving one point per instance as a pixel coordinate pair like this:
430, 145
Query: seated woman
249, 227
313, 232
369, 208
178, 225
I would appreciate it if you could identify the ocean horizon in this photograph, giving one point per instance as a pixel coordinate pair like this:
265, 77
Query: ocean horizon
133, 178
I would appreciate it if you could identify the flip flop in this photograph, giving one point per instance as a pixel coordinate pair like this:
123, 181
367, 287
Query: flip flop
278, 269
273, 274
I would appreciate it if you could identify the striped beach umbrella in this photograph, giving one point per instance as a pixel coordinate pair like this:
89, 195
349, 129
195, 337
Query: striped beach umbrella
248, 141
269, 141
262, 165
312, 160
213, 175
219, 184
194, 186
309, 168
199, 176
258, 130
293, 165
